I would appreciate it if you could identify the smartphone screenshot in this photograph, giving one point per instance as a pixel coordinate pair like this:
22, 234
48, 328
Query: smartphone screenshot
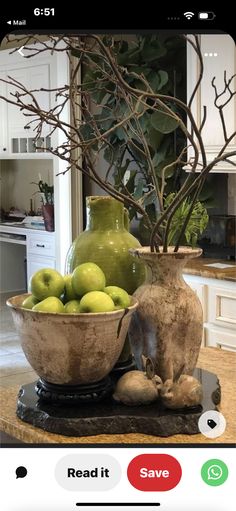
117, 254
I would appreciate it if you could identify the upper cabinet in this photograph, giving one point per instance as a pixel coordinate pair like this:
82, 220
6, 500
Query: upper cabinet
40, 73
21, 135
16, 135
219, 59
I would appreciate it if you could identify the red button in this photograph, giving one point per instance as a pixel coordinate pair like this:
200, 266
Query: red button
154, 472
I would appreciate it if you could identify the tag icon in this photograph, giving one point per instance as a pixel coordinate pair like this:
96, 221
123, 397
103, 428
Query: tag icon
212, 424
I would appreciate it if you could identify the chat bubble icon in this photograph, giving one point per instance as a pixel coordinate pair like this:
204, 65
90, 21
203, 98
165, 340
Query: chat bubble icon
21, 472
214, 472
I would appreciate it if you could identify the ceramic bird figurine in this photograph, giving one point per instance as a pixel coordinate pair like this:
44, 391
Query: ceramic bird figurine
185, 392
138, 387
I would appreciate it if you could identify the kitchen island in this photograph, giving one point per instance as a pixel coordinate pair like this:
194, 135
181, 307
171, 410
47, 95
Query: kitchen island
220, 362
213, 280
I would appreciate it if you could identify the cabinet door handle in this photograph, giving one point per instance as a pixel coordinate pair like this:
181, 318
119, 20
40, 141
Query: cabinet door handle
4, 149
26, 127
40, 245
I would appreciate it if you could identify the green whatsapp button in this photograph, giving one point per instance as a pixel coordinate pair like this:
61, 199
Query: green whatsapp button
214, 472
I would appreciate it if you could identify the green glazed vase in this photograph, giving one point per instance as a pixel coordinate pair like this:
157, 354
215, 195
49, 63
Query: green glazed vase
106, 242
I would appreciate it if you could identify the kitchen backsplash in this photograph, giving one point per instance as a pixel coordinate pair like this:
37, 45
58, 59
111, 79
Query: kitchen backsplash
16, 177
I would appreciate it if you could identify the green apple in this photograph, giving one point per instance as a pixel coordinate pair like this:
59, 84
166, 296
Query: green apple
50, 304
29, 302
88, 277
46, 282
69, 293
96, 301
72, 307
119, 296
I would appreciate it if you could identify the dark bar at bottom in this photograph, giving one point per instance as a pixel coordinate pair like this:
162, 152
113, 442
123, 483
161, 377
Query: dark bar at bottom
118, 504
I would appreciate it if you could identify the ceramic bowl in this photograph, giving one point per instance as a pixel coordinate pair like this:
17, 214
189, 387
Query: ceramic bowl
71, 349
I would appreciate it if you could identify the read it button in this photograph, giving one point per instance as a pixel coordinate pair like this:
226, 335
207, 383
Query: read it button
154, 472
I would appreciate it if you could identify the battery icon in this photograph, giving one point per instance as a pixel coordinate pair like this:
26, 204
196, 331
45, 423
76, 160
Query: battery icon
206, 15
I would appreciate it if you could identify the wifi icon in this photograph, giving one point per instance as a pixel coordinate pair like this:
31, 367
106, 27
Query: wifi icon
188, 15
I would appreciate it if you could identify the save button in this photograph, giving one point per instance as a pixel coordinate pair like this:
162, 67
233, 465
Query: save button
154, 472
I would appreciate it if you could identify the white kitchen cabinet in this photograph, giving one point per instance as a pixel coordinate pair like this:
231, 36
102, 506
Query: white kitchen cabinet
40, 252
219, 56
224, 339
35, 73
218, 299
41, 244
41, 71
45, 70
20, 135
222, 306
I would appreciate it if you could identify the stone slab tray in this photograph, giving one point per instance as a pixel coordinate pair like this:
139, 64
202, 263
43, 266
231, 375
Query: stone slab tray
108, 417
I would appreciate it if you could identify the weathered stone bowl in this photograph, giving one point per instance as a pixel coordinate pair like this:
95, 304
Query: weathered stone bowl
71, 349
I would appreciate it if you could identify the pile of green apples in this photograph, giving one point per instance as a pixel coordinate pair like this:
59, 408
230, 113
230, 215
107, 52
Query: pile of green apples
83, 291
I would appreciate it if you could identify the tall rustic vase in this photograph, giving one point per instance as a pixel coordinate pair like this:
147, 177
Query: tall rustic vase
167, 326
106, 242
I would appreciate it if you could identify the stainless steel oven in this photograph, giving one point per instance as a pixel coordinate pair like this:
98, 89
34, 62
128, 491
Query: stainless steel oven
13, 262
219, 238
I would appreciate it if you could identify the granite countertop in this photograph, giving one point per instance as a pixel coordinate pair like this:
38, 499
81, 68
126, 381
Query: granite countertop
220, 362
199, 266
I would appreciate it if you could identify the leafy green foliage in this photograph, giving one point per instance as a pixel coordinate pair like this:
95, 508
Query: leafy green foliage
159, 62
196, 225
163, 122
156, 63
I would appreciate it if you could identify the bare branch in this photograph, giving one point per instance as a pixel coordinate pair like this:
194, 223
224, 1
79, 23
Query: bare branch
93, 125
